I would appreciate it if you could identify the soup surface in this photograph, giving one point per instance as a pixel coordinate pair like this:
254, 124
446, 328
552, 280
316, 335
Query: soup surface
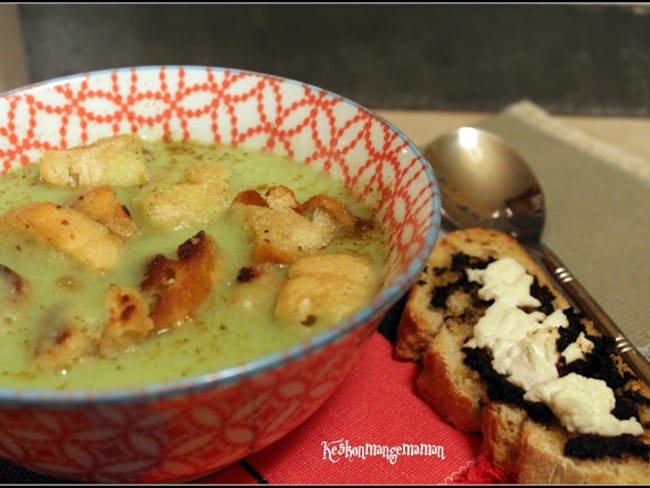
48, 294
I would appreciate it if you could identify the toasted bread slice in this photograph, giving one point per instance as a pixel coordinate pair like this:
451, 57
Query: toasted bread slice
447, 384
501, 426
421, 320
541, 461
434, 327
525, 440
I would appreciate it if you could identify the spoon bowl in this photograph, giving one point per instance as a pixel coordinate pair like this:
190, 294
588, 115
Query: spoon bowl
485, 183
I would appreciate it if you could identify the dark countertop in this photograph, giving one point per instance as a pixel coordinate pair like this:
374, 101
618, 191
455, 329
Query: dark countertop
569, 59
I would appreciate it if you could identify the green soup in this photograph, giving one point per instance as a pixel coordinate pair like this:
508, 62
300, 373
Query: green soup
219, 336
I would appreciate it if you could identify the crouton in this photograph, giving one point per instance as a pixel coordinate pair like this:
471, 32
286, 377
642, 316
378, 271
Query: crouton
102, 205
256, 286
336, 209
178, 287
196, 200
128, 322
14, 293
283, 230
117, 160
13, 286
63, 343
67, 230
325, 288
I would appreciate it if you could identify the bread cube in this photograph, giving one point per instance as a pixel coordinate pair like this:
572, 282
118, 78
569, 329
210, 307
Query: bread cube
128, 322
117, 161
325, 288
196, 200
102, 205
66, 229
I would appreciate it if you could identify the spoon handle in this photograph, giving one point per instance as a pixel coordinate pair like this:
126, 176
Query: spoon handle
594, 312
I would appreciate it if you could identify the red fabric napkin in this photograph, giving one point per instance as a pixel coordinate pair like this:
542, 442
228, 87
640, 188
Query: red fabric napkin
373, 430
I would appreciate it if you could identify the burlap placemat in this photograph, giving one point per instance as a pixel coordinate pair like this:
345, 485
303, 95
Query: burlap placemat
598, 210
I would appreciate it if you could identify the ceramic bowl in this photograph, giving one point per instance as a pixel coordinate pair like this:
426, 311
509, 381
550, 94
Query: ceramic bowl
185, 429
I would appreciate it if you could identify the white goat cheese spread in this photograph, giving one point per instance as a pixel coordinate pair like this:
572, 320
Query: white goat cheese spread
583, 404
523, 347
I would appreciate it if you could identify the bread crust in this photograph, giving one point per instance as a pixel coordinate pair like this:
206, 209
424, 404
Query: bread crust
454, 390
501, 426
540, 461
433, 333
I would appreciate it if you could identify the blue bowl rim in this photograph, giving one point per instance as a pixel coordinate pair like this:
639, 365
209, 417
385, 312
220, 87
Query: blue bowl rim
388, 297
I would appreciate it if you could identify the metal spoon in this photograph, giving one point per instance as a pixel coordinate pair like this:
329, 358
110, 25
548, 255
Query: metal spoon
485, 183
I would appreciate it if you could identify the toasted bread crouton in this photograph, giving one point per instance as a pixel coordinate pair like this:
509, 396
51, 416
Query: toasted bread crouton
67, 230
324, 288
280, 196
178, 287
14, 293
196, 200
128, 322
282, 235
13, 286
62, 342
102, 204
336, 209
283, 230
117, 161
256, 287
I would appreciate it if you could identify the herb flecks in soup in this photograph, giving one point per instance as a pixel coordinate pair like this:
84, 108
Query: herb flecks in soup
127, 262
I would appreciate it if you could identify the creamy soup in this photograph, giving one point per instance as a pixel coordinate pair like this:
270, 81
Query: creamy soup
45, 288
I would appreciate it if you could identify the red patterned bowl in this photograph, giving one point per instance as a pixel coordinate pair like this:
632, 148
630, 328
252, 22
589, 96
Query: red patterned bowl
186, 429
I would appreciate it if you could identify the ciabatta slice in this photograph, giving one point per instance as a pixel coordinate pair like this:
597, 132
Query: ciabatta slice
525, 441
